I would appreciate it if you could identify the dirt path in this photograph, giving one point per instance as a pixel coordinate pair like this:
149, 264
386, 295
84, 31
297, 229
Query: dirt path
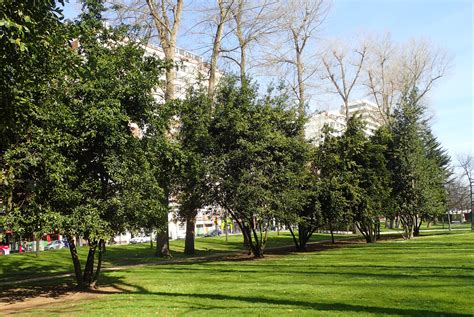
44, 297
13, 301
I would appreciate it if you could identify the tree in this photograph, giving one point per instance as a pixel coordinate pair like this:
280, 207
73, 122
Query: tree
418, 166
297, 22
251, 22
160, 19
92, 177
32, 69
297, 204
254, 147
193, 188
302, 208
373, 184
221, 19
354, 179
458, 194
466, 162
393, 71
343, 68
332, 183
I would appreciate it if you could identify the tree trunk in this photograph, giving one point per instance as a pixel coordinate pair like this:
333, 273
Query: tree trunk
162, 243
243, 62
301, 88
332, 233
304, 234
170, 93
75, 260
37, 246
190, 233
99, 263
257, 245
216, 47
295, 240
162, 235
89, 268
416, 229
246, 234
392, 223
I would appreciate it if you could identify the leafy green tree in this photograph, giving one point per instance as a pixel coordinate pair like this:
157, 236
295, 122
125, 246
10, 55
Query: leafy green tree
255, 145
354, 179
71, 162
33, 62
419, 167
300, 208
193, 188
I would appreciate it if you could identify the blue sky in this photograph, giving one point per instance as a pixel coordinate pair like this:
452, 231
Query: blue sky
447, 23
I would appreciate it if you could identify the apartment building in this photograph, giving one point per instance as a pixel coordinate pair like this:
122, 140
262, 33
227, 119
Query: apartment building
336, 120
192, 69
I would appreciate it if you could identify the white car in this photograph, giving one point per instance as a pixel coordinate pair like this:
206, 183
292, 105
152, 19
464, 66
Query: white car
53, 245
139, 240
136, 240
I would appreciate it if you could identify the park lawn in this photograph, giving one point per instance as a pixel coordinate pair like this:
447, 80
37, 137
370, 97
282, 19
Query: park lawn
429, 276
27, 265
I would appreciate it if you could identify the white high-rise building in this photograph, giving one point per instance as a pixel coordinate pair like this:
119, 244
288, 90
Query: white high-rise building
336, 120
369, 113
191, 70
314, 126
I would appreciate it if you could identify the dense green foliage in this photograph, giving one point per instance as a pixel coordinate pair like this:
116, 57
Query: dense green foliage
353, 179
418, 165
192, 186
71, 163
256, 153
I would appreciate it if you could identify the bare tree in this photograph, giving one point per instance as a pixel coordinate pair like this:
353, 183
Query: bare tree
252, 21
160, 18
466, 162
342, 68
167, 18
221, 19
298, 22
393, 70
458, 194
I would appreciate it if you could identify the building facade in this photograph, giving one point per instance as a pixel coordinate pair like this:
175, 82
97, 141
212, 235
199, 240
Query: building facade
336, 120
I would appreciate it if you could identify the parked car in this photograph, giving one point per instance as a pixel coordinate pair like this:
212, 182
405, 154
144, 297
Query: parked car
137, 240
213, 233
53, 245
4, 249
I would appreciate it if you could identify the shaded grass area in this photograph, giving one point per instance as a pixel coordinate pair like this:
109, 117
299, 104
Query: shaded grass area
438, 226
429, 276
23, 266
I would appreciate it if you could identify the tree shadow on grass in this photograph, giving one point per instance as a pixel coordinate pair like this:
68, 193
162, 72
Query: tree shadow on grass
55, 288
279, 302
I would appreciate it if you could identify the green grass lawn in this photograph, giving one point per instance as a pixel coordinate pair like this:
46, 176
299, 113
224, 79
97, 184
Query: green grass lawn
429, 276
27, 265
